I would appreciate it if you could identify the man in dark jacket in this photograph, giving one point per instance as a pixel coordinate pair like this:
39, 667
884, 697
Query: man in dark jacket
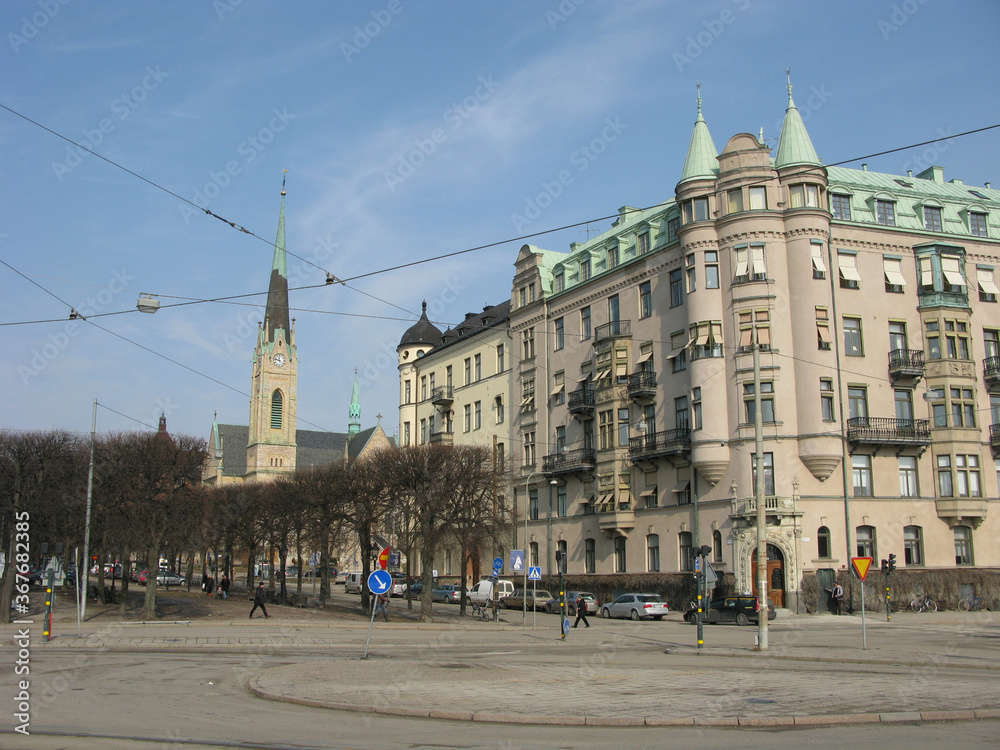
581, 611
258, 601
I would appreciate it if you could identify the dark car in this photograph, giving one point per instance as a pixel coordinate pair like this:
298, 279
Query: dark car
742, 610
552, 606
416, 589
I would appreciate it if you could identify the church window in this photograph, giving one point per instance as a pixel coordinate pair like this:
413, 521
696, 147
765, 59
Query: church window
276, 410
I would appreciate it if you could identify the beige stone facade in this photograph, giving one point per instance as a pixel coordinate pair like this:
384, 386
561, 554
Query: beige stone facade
871, 302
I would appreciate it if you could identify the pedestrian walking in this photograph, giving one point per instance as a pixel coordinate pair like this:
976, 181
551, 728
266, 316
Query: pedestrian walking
258, 601
581, 611
224, 585
382, 600
836, 596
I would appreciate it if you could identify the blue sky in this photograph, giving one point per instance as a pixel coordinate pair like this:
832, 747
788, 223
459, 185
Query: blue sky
409, 130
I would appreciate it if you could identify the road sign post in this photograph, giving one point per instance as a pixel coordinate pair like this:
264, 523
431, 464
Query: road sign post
379, 582
860, 566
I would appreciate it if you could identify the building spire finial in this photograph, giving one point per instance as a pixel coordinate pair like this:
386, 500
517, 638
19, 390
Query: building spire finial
698, 87
283, 177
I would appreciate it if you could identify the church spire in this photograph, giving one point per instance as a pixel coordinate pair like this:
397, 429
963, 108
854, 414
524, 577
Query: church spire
354, 416
794, 146
702, 157
277, 293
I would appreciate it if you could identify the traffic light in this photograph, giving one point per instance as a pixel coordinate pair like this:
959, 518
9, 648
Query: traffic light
892, 562
561, 560
704, 550
885, 566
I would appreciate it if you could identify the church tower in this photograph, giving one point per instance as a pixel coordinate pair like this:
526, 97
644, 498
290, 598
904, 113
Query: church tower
271, 440
354, 415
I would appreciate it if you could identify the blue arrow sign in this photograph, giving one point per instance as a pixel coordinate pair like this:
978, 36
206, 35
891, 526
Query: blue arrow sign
379, 581
534, 574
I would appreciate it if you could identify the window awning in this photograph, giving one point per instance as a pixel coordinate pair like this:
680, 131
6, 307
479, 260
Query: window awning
605, 498
681, 486
621, 369
557, 389
848, 269
758, 261
926, 273
952, 271
894, 272
603, 374
764, 335
742, 262
746, 336
584, 378
702, 339
644, 358
817, 259
675, 353
824, 333
648, 492
985, 278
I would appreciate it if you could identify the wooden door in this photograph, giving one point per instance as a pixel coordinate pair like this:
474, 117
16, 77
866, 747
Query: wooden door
775, 576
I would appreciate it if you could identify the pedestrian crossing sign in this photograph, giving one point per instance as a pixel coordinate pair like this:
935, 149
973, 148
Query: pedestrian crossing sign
534, 573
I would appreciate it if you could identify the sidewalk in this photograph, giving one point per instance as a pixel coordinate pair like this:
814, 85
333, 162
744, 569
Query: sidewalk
815, 671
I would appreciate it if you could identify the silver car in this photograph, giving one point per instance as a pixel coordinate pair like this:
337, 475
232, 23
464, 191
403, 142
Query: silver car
636, 607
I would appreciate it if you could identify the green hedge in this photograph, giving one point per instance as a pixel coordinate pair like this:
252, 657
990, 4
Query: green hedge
945, 587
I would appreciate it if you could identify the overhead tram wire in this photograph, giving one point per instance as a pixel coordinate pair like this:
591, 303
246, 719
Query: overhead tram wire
330, 276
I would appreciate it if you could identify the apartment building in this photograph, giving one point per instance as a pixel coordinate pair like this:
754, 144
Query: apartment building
870, 304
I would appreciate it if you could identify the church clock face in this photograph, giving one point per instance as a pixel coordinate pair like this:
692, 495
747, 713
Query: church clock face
279, 360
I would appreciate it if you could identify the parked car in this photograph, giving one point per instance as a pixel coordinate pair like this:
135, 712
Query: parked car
637, 607
520, 598
341, 577
742, 610
168, 578
593, 605
447, 592
416, 589
398, 585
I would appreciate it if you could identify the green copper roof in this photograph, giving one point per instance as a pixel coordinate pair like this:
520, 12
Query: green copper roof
354, 421
794, 146
702, 156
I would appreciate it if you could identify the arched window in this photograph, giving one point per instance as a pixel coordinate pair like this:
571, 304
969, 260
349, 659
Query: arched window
717, 546
276, 410
653, 553
865, 536
823, 542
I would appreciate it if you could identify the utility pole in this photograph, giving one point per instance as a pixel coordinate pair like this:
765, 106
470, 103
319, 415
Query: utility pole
759, 494
83, 576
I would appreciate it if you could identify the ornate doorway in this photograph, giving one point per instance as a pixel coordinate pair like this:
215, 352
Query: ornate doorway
775, 575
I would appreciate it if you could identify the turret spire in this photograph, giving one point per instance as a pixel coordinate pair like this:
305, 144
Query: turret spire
277, 293
702, 157
794, 146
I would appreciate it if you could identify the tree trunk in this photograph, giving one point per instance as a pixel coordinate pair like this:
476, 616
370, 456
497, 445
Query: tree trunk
149, 606
427, 573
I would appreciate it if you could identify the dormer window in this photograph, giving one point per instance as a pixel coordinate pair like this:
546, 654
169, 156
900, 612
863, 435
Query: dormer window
560, 281
643, 243
613, 257
885, 212
585, 269
840, 206
977, 224
932, 218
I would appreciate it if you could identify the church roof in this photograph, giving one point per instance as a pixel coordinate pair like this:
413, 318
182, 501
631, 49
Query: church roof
277, 292
313, 448
421, 332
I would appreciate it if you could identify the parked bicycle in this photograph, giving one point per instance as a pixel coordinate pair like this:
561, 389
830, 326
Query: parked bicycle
482, 611
975, 604
923, 604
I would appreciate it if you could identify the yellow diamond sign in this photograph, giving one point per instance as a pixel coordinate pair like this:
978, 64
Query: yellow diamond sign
861, 566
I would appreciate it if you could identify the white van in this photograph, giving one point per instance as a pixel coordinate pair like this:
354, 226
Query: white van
354, 583
482, 592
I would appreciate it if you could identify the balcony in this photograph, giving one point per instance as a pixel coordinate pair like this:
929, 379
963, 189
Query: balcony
442, 438
906, 364
660, 444
995, 439
991, 372
888, 431
618, 522
570, 462
616, 329
582, 402
962, 511
642, 386
745, 508
442, 395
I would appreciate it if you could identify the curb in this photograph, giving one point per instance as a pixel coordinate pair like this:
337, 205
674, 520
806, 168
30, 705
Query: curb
497, 717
